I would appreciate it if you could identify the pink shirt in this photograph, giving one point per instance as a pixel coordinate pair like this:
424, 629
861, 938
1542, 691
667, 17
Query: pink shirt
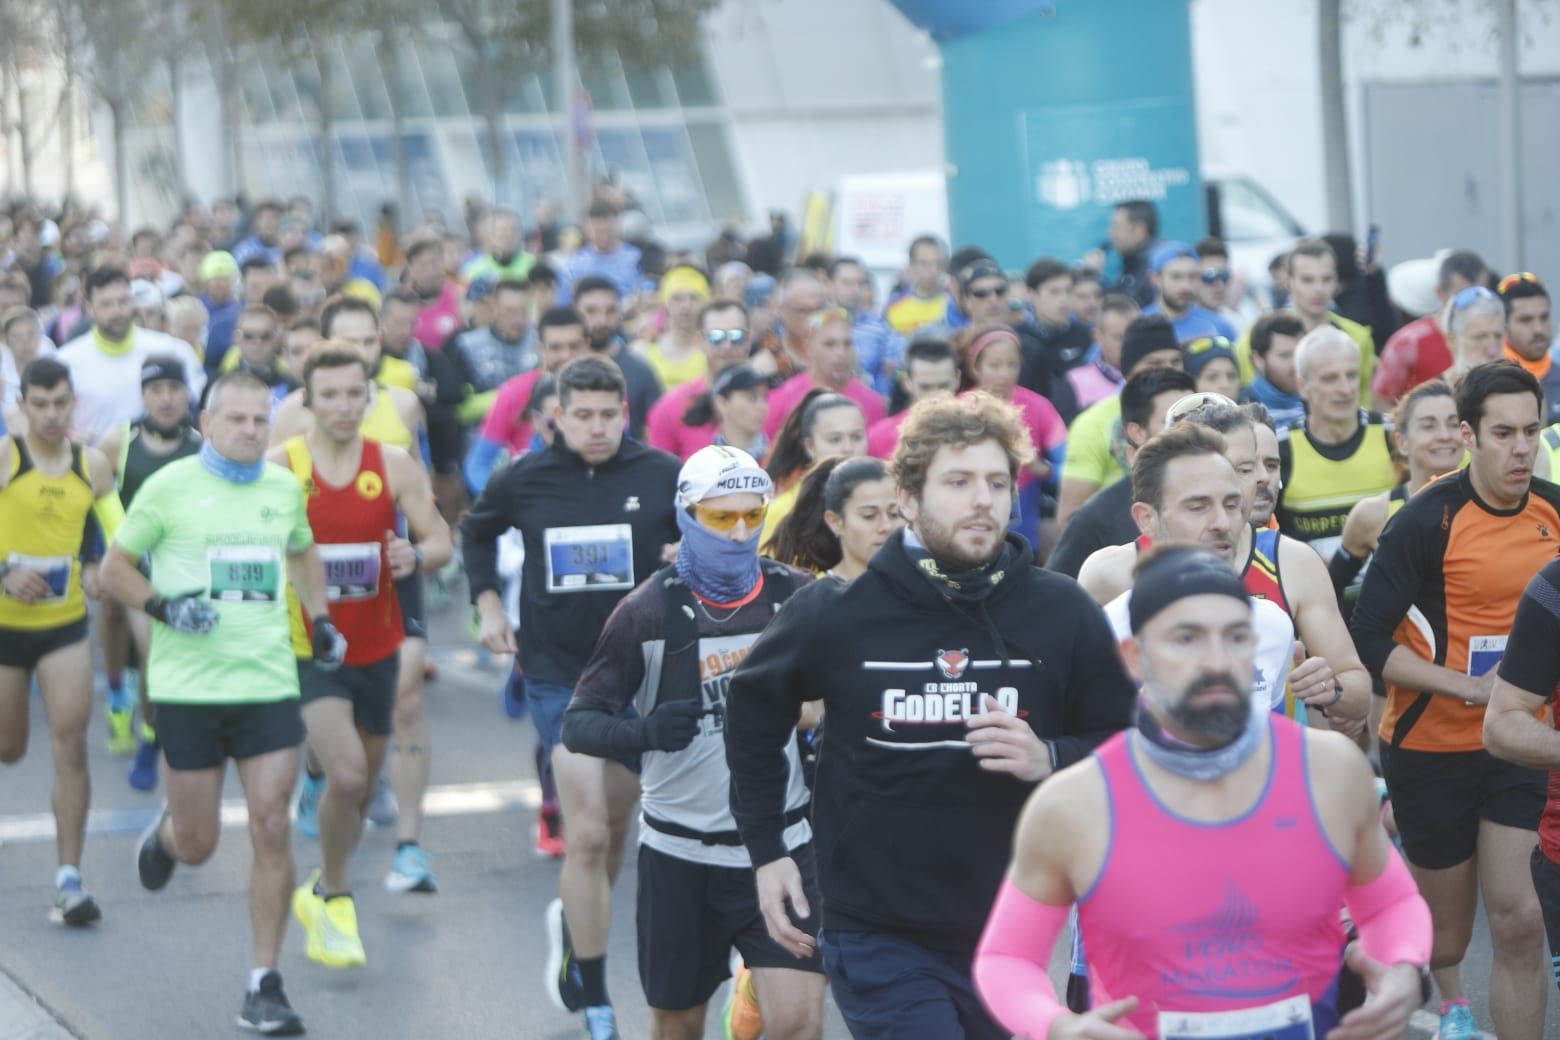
505, 422
1044, 422
883, 435
439, 319
789, 394
664, 428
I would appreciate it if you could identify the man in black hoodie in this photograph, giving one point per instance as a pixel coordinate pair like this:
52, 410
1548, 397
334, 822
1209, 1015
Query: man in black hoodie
955, 675
596, 513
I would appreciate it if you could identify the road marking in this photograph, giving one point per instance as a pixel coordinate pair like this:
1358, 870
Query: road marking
443, 800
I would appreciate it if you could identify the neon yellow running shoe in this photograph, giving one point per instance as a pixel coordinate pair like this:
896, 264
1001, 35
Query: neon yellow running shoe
121, 731
330, 927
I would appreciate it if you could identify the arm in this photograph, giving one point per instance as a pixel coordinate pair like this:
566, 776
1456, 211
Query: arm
123, 580
1513, 730
1332, 657
105, 494
481, 459
414, 498
1073, 494
486, 521
1102, 574
1531, 663
306, 572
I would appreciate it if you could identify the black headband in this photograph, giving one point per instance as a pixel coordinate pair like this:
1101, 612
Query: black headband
1176, 574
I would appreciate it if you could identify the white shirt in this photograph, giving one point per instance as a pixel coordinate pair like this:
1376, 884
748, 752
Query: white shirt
108, 386
11, 376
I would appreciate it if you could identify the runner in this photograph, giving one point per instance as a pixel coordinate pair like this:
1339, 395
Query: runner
940, 720
1270, 465
931, 372
845, 512
1432, 622
50, 490
356, 492
693, 621
136, 451
823, 424
1169, 808
1515, 728
596, 513
831, 364
228, 536
684, 419
677, 354
1529, 334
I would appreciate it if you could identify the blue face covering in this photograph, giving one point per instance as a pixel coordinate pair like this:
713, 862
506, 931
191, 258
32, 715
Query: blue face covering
714, 566
224, 467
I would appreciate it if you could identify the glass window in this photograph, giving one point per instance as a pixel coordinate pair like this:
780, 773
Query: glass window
368, 84
255, 92
722, 188
648, 88
1247, 213
445, 85
676, 176
692, 77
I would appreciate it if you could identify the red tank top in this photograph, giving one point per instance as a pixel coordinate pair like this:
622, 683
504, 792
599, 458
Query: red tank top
349, 524
1260, 575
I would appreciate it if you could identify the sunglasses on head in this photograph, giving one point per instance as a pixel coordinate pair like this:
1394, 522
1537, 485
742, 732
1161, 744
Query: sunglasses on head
1511, 281
715, 337
1467, 297
1202, 343
1192, 402
1215, 274
723, 520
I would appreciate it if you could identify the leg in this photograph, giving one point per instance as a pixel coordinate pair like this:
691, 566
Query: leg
410, 757
65, 677
887, 989
334, 739
114, 633
13, 714
1519, 986
1453, 896
622, 786
585, 883
1546, 881
268, 783
791, 1001
677, 1025
194, 822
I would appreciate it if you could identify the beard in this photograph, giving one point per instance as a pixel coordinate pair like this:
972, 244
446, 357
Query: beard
941, 541
1219, 723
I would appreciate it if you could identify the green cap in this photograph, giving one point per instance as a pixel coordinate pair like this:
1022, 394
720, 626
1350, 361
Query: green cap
217, 264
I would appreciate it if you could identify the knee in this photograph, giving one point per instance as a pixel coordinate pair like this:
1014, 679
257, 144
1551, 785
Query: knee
195, 843
70, 747
270, 827
679, 1025
349, 783
1518, 927
589, 837
408, 708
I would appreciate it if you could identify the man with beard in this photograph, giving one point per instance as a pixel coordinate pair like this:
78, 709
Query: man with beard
1528, 335
601, 305
1190, 890
1177, 273
946, 704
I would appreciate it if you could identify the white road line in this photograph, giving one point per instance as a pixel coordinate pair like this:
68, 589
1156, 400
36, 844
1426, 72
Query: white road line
442, 800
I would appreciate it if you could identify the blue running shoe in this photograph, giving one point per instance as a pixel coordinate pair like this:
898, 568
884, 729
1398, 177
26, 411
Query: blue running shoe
309, 806
1457, 1022
601, 1023
514, 696
410, 872
143, 770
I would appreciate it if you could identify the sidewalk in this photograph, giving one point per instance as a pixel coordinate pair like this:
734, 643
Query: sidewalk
23, 1018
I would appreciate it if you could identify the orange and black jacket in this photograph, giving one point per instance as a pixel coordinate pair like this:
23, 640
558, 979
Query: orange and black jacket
1445, 583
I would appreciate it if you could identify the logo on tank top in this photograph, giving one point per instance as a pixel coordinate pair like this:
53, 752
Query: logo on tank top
1226, 954
369, 485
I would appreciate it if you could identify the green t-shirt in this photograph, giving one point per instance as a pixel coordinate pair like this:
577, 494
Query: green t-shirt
518, 268
228, 542
1094, 449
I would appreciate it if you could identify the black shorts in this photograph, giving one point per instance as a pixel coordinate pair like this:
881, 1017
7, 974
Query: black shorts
414, 612
203, 736
1439, 797
370, 688
24, 647
691, 915
1546, 880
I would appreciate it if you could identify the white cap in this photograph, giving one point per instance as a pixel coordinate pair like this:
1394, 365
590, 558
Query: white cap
720, 470
1411, 284
145, 294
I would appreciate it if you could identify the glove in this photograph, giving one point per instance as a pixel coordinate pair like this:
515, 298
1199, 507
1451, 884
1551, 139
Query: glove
187, 614
330, 646
672, 725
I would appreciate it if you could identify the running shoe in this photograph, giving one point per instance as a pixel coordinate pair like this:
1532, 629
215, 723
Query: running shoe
601, 1023
410, 871
565, 988
309, 805
514, 696
329, 926
73, 905
740, 1019
153, 865
382, 808
549, 835
1457, 1022
143, 769
266, 1010
121, 731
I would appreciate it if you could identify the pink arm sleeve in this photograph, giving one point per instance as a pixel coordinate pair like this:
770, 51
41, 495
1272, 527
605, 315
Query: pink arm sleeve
1010, 963
1392, 917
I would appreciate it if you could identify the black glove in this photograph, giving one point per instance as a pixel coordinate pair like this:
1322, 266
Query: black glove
187, 614
672, 725
330, 646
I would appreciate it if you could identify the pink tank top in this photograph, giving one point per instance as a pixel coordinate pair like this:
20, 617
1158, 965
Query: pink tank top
1250, 920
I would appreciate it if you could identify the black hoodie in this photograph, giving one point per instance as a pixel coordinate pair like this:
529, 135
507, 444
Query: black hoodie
912, 835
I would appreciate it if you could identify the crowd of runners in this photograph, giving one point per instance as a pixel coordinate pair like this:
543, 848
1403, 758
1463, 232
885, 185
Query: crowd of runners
908, 623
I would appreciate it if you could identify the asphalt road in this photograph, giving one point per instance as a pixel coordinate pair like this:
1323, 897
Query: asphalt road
466, 962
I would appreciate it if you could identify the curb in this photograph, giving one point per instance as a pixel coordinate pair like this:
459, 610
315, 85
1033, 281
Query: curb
24, 1017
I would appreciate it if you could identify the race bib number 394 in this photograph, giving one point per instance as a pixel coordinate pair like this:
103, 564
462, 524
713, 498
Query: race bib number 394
596, 558
244, 574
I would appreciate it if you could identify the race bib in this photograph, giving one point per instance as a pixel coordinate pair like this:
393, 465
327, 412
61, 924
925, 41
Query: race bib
244, 574
1286, 1020
1484, 653
55, 571
597, 559
351, 570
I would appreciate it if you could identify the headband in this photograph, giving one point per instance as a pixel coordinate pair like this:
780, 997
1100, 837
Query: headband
1176, 574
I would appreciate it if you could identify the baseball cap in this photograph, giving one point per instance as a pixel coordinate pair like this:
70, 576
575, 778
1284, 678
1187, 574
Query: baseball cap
1168, 251
737, 377
161, 366
720, 470
977, 270
145, 294
217, 264
480, 289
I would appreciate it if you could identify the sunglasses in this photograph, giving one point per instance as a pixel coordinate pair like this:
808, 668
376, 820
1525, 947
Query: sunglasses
828, 314
723, 520
986, 294
1467, 297
1511, 281
736, 337
1215, 274
1202, 343
1192, 402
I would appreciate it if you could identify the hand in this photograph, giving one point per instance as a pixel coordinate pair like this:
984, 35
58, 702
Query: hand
494, 632
672, 725
187, 614
669, 552
1097, 1024
1093, 260
1351, 728
402, 555
1005, 744
1312, 681
90, 582
779, 883
1480, 687
1393, 995
330, 646
26, 586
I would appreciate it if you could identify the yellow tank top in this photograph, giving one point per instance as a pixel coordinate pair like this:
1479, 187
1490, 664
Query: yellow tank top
384, 424
42, 520
393, 371
1321, 485
692, 366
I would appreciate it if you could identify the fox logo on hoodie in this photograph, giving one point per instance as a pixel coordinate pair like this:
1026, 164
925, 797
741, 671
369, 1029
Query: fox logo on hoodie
952, 663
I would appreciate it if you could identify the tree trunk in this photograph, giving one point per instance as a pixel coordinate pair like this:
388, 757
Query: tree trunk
23, 134
5, 128
116, 111
1337, 180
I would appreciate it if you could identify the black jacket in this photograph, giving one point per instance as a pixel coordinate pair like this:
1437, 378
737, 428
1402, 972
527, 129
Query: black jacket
555, 489
912, 836
1102, 521
1049, 352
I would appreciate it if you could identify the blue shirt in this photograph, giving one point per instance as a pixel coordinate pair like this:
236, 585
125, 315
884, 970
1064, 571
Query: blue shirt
620, 267
879, 350
223, 318
1198, 321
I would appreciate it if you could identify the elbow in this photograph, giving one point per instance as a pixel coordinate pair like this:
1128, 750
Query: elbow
1498, 737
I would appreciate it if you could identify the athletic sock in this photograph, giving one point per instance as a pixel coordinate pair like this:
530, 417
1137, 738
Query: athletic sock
256, 976
66, 873
403, 844
593, 979
1447, 1005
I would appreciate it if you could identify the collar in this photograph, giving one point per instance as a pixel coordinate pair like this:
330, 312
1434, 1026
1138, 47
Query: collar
111, 347
1539, 368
